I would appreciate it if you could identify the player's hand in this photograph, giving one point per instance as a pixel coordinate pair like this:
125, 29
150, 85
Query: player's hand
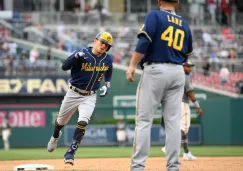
130, 74
81, 56
199, 111
78, 55
104, 90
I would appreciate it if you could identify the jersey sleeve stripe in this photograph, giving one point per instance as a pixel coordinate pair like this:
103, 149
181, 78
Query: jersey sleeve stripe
92, 73
189, 53
95, 80
146, 34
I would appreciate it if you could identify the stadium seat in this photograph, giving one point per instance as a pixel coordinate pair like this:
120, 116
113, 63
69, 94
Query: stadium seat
213, 81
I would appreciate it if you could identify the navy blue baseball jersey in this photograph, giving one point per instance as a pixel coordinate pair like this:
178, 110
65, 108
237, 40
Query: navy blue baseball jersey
87, 75
172, 36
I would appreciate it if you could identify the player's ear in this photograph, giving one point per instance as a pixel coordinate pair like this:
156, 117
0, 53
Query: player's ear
95, 41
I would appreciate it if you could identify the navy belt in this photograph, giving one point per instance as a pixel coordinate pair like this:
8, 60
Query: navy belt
79, 91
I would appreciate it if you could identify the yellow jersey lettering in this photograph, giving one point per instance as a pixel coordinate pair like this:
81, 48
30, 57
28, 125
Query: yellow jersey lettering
180, 22
174, 40
88, 67
174, 20
177, 21
169, 18
83, 66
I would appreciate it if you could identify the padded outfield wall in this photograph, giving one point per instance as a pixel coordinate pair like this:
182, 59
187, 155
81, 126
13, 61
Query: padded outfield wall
32, 120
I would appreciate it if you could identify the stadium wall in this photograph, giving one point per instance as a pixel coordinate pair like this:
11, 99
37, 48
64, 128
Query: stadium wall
33, 116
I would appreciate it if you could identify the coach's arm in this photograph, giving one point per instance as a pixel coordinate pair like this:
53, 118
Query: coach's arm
192, 97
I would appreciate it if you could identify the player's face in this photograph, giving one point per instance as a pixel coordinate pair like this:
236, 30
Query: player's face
100, 47
187, 69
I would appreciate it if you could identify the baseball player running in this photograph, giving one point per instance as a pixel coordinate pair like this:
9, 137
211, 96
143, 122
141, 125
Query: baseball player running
186, 112
88, 66
6, 131
164, 43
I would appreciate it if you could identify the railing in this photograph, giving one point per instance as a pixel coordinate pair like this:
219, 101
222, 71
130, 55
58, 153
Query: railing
134, 19
59, 54
15, 31
32, 34
235, 65
41, 67
81, 19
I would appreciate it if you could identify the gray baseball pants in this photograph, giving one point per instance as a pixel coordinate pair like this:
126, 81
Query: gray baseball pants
73, 101
159, 83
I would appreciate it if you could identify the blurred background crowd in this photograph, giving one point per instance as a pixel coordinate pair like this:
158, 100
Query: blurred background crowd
34, 31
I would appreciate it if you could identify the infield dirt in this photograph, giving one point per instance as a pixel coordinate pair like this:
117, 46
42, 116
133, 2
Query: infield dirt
122, 164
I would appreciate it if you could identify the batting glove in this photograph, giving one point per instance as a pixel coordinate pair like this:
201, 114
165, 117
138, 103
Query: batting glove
104, 90
81, 56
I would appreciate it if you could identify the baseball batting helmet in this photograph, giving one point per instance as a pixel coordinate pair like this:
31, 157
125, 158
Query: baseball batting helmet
106, 38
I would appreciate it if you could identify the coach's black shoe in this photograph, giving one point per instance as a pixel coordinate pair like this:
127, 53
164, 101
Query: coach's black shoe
69, 155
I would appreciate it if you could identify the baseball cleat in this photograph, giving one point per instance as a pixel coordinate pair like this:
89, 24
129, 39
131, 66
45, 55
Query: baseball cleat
189, 156
69, 161
69, 155
163, 150
52, 144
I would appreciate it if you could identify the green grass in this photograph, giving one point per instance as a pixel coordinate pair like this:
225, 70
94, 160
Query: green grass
113, 152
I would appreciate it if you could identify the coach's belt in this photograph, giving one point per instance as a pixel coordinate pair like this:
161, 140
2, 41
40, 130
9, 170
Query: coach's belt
82, 92
150, 63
